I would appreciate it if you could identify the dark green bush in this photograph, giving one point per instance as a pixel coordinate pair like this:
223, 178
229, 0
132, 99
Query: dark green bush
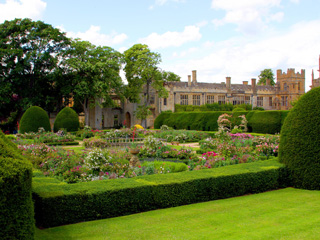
266, 121
238, 109
34, 118
299, 145
203, 121
16, 206
58, 203
67, 119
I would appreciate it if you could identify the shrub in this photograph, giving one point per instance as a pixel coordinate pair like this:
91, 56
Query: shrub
62, 204
33, 119
238, 109
267, 121
67, 119
16, 206
300, 141
203, 121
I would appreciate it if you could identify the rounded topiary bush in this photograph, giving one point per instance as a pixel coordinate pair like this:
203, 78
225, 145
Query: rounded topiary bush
16, 206
34, 118
67, 119
238, 109
299, 145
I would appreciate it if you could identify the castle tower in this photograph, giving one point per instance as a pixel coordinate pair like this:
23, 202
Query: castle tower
291, 86
315, 82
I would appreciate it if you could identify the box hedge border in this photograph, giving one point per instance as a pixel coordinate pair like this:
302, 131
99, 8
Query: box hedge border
258, 121
58, 203
16, 206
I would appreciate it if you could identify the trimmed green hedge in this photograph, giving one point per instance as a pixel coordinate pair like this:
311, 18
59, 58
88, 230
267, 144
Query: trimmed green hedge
16, 206
267, 121
34, 118
203, 121
62, 143
258, 121
58, 203
299, 146
67, 119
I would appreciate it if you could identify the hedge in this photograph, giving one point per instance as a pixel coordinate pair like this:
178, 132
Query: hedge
203, 121
16, 206
67, 119
258, 121
267, 121
299, 146
62, 143
34, 118
58, 203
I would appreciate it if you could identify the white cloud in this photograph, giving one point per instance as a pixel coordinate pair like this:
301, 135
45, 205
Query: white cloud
163, 2
185, 53
250, 16
169, 39
12, 9
94, 36
242, 59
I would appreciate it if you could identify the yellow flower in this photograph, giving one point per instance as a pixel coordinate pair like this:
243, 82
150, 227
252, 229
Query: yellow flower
137, 126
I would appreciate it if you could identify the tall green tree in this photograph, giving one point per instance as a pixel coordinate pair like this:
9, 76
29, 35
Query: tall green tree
142, 73
93, 73
264, 75
29, 57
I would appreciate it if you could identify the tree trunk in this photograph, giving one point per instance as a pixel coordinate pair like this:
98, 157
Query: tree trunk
146, 103
86, 111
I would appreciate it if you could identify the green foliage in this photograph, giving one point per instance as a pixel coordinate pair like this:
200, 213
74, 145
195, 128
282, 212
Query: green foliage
264, 75
211, 107
204, 121
66, 119
300, 141
258, 121
94, 73
143, 73
34, 118
267, 121
142, 112
16, 206
238, 109
258, 108
58, 204
29, 56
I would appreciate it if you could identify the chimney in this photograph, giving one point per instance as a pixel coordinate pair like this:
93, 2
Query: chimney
245, 82
268, 82
253, 82
194, 76
189, 80
228, 82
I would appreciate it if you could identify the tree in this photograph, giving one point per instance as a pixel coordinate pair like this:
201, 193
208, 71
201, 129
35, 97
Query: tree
93, 73
264, 75
143, 73
29, 57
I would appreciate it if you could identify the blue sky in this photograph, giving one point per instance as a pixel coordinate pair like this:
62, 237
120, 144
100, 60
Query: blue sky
218, 38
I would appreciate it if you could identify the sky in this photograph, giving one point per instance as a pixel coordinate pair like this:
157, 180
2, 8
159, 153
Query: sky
218, 38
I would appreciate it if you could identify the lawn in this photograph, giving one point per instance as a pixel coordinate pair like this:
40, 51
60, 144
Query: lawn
283, 214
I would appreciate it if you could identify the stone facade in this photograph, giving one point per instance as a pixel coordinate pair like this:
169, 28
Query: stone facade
288, 87
315, 81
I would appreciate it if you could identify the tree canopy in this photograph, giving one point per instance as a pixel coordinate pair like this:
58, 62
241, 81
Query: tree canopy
93, 72
142, 72
29, 56
42, 67
264, 75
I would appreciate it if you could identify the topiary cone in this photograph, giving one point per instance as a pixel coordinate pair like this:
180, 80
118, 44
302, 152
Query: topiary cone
67, 119
299, 147
34, 118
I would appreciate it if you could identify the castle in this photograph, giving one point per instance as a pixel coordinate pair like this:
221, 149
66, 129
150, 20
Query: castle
315, 81
289, 86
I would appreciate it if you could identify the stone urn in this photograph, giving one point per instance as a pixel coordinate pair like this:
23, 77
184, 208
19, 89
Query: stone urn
134, 160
